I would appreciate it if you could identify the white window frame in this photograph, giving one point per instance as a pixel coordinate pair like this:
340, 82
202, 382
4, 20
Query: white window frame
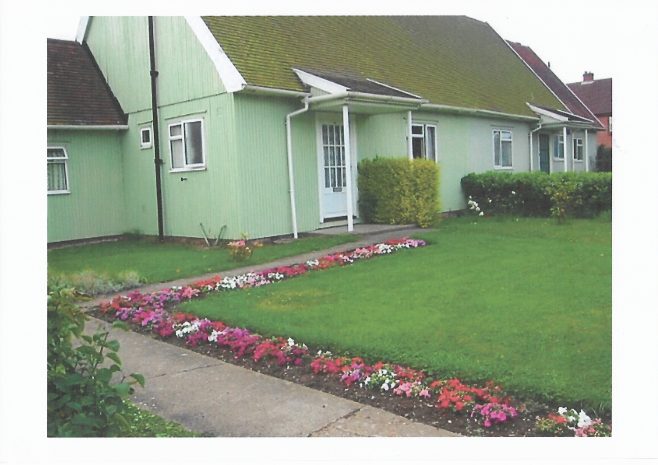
558, 140
64, 159
422, 136
577, 142
149, 144
193, 166
493, 147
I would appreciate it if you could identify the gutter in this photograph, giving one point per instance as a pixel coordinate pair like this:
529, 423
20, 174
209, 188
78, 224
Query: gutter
95, 127
273, 91
474, 111
157, 161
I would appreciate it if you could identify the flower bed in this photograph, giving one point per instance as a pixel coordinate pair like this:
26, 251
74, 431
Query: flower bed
479, 407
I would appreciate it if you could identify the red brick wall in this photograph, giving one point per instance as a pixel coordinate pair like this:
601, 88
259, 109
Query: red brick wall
604, 137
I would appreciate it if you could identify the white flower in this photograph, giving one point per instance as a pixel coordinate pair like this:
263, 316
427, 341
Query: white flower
481, 214
562, 410
291, 341
477, 209
583, 419
385, 387
513, 193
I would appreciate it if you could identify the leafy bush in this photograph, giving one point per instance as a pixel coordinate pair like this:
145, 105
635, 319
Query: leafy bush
604, 158
92, 282
83, 400
398, 191
583, 195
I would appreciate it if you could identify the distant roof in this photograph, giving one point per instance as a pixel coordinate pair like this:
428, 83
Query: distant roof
560, 89
448, 60
77, 92
596, 94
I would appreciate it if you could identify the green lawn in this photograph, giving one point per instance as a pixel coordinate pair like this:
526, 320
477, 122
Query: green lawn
157, 262
526, 303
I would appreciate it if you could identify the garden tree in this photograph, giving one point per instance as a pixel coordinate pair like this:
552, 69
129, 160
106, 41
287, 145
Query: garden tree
83, 399
604, 158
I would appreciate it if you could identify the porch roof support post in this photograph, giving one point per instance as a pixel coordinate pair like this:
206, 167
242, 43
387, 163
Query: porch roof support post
564, 135
348, 168
410, 150
586, 152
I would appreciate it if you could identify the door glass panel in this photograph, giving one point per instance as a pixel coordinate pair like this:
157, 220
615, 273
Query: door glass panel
333, 149
431, 143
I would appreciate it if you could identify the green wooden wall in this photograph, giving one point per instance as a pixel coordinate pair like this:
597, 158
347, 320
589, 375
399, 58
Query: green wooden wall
95, 205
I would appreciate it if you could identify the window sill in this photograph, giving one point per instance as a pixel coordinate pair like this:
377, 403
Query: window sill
579, 161
558, 159
58, 192
187, 170
504, 168
144, 147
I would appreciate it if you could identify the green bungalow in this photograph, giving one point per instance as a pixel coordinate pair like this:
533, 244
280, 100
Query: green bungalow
255, 125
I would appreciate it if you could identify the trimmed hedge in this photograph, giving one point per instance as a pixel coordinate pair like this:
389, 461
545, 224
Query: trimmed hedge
398, 191
531, 194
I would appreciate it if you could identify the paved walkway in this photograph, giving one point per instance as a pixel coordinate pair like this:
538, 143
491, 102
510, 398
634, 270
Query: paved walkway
216, 398
365, 239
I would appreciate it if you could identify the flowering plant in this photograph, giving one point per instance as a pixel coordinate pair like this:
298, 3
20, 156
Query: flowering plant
242, 250
569, 422
474, 206
383, 379
493, 413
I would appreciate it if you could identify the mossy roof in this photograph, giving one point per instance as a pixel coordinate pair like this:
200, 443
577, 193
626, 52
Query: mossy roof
449, 60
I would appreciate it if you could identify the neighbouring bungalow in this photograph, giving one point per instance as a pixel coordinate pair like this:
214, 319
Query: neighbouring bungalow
184, 126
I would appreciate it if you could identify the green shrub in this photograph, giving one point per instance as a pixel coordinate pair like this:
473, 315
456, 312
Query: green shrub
399, 191
536, 194
83, 399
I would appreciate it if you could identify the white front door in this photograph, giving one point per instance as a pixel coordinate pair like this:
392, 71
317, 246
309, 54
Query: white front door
331, 166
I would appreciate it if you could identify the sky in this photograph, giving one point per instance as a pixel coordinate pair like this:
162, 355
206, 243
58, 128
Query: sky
582, 49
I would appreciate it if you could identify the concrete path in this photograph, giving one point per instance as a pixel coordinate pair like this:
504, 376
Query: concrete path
368, 236
215, 398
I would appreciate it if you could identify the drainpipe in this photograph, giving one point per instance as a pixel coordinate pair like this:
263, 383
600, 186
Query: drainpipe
156, 132
586, 152
531, 134
564, 134
410, 150
291, 176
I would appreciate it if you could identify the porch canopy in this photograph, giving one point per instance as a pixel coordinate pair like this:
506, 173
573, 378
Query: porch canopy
330, 91
555, 120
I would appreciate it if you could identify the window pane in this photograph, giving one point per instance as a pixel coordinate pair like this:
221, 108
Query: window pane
327, 179
177, 155
506, 153
57, 176
333, 177
56, 153
417, 129
326, 155
325, 135
417, 147
505, 135
331, 135
175, 130
193, 143
496, 148
431, 142
146, 136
